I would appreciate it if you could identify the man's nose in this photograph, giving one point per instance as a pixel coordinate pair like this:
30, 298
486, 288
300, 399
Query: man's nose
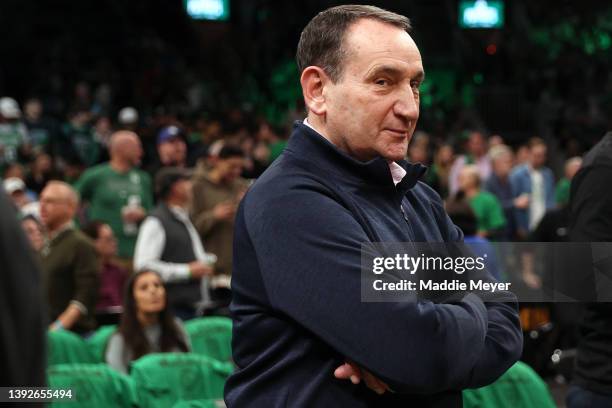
407, 105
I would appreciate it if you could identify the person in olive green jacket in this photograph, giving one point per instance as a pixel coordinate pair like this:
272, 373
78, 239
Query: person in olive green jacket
216, 194
69, 261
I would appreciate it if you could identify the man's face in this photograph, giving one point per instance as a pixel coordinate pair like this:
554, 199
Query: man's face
55, 207
373, 108
172, 152
476, 144
538, 156
182, 190
502, 165
19, 198
33, 109
133, 151
230, 168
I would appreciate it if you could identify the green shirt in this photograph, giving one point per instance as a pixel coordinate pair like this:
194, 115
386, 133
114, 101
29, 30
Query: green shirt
12, 136
520, 386
488, 211
81, 142
107, 192
562, 191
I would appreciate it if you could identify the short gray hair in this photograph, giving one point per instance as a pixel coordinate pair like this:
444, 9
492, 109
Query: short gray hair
322, 40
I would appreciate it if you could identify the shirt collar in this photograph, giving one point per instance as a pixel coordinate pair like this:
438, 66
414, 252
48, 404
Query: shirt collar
397, 172
69, 225
179, 212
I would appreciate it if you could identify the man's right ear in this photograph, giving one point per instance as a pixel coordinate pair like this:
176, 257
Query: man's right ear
313, 81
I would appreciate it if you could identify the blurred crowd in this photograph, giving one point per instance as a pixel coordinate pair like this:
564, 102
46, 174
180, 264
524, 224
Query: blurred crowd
116, 187
112, 164
104, 198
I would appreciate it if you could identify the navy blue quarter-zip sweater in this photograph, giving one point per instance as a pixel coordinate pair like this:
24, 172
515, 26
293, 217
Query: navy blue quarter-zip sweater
297, 306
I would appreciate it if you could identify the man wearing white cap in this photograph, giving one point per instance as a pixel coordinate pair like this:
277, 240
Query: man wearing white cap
16, 189
128, 118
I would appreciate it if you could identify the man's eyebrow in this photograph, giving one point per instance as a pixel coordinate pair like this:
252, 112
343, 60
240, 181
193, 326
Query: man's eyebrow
393, 71
384, 70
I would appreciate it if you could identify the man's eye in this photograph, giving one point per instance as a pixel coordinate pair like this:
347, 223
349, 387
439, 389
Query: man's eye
382, 82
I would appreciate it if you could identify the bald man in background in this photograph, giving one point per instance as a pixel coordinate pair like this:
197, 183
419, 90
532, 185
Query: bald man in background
70, 264
118, 192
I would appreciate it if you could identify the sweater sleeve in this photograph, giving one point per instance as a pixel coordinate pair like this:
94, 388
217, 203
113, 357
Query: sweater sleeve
308, 251
203, 219
86, 276
503, 344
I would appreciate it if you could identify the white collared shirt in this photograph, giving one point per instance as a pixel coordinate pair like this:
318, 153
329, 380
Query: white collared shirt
150, 246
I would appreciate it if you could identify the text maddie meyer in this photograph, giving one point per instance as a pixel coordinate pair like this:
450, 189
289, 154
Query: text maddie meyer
445, 285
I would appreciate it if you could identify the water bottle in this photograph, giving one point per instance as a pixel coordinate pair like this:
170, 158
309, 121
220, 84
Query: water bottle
131, 228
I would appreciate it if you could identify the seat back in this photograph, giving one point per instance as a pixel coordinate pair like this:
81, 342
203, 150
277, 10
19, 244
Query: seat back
211, 336
93, 386
163, 379
67, 347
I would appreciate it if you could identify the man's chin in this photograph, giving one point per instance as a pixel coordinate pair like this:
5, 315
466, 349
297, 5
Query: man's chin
395, 155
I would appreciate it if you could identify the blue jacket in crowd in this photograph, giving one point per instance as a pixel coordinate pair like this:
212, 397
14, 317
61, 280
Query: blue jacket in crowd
520, 178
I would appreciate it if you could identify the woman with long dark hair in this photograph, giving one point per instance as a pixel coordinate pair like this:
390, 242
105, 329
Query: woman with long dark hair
147, 326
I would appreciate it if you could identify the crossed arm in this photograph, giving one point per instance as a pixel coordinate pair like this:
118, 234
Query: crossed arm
310, 262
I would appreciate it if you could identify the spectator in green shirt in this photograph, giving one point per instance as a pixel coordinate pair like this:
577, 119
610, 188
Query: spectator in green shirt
77, 140
562, 190
117, 192
489, 213
14, 137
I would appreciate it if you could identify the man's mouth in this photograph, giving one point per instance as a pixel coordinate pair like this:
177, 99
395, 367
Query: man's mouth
398, 132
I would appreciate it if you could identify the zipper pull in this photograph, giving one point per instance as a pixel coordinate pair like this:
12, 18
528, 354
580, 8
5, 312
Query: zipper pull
404, 213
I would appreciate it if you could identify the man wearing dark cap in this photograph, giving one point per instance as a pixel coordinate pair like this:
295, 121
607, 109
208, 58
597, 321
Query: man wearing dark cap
169, 244
171, 149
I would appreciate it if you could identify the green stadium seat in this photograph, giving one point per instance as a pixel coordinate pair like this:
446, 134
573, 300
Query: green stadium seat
519, 387
97, 342
211, 336
93, 386
163, 379
67, 347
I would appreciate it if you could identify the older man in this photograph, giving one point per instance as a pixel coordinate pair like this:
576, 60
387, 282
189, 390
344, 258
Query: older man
342, 182
70, 263
118, 192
